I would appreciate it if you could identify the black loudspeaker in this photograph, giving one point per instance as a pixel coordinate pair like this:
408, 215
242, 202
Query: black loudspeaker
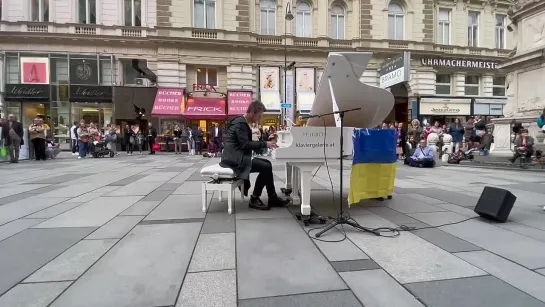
495, 204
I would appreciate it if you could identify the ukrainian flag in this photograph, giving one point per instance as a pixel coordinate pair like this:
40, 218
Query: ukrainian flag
374, 165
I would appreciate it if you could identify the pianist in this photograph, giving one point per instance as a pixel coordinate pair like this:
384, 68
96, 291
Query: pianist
423, 156
237, 155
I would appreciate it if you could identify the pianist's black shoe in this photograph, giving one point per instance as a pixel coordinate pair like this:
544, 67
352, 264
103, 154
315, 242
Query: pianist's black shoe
256, 203
276, 201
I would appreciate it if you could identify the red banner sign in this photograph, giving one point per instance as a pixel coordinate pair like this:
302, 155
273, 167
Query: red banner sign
238, 101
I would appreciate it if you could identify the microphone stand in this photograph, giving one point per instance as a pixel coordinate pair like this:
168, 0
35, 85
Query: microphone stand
341, 219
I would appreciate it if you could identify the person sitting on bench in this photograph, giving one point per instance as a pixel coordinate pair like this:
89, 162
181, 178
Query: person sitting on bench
237, 155
423, 156
524, 146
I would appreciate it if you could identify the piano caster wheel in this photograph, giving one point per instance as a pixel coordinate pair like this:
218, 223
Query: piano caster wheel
285, 191
380, 198
307, 223
389, 196
298, 217
313, 218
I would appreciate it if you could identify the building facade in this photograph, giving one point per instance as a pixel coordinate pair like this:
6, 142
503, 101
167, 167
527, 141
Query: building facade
207, 46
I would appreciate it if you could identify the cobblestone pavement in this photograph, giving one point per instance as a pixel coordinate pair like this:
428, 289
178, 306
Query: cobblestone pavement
129, 231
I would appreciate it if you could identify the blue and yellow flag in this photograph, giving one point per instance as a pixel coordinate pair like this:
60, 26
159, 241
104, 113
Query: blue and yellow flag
374, 164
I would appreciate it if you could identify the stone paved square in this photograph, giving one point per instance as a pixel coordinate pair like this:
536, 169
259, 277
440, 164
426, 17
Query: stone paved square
138, 238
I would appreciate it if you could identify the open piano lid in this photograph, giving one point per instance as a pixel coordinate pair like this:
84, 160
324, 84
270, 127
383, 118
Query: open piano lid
344, 70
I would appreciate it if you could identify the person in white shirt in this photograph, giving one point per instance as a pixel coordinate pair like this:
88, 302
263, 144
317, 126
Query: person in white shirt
74, 138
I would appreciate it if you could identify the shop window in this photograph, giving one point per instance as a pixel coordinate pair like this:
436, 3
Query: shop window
204, 14
498, 86
59, 70
337, 22
133, 13
87, 11
396, 21
106, 72
443, 84
472, 85
207, 76
268, 17
500, 31
39, 10
129, 73
473, 29
303, 20
444, 27
12, 70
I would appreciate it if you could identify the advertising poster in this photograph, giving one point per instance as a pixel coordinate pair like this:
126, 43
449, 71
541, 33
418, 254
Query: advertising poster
305, 88
34, 70
238, 101
269, 88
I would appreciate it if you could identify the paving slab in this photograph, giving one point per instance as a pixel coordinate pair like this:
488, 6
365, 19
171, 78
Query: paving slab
168, 187
15, 197
116, 228
541, 271
344, 298
425, 199
24, 207
18, 189
15, 227
189, 187
128, 180
482, 291
182, 177
214, 252
53, 210
141, 187
221, 289
445, 241
287, 251
354, 265
438, 218
458, 209
72, 263
525, 251
157, 196
92, 214
522, 229
340, 251
33, 295
142, 207
392, 215
375, 288
27, 251
424, 262
517, 276
60, 179
218, 222
144, 269
407, 205
449, 196
87, 197
178, 207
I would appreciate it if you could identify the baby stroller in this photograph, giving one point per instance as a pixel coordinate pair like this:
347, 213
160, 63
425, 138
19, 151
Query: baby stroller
100, 148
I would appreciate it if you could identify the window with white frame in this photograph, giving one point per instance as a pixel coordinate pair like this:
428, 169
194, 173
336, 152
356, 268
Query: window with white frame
87, 11
444, 27
39, 10
133, 13
498, 86
443, 84
396, 21
500, 31
337, 22
268, 17
204, 14
207, 76
472, 85
473, 29
304, 20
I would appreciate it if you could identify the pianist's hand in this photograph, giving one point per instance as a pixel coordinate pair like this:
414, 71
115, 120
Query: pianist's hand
272, 145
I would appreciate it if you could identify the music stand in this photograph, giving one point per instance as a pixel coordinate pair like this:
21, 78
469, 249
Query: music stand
341, 219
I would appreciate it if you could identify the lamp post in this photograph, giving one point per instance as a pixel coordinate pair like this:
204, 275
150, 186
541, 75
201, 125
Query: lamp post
288, 17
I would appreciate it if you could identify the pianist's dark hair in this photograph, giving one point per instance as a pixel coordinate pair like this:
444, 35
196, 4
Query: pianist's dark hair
256, 106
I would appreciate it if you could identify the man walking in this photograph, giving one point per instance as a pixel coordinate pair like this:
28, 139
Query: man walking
74, 138
152, 135
15, 139
217, 136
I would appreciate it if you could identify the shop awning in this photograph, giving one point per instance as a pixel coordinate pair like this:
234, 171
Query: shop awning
238, 101
168, 102
205, 108
491, 101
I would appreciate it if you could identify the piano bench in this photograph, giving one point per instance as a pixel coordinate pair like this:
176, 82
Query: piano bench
223, 180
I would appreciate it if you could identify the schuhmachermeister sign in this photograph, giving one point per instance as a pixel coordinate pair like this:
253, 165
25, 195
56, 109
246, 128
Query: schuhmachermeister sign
459, 63
27, 92
82, 93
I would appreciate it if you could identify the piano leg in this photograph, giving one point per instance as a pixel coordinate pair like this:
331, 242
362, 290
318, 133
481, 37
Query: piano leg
296, 185
289, 179
306, 183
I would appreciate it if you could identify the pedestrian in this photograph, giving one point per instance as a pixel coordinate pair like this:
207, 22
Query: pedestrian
177, 139
15, 136
457, 133
129, 134
152, 135
190, 141
414, 130
37, 137
198, 137
112, 139
83, 139
74, 138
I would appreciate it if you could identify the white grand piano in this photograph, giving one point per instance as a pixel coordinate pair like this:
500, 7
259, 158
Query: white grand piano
304, 149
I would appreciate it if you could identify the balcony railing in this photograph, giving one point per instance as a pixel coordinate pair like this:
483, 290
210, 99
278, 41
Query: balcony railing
212, 35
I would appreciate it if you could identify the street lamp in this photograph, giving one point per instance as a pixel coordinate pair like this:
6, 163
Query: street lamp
287, 17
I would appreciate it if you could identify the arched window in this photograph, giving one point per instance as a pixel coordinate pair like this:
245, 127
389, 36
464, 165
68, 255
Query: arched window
204, 14
396, 21
268, 17
337, 22
304, 20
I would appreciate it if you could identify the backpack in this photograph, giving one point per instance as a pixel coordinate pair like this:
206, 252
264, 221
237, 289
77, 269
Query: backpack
540, 122
455, 158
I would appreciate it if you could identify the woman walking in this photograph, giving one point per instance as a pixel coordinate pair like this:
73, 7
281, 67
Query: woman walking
37, 137
129, 134
177, 139
457, 133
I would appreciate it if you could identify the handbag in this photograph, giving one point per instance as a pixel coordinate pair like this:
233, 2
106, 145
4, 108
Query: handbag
3, 151
156, 147
84, 139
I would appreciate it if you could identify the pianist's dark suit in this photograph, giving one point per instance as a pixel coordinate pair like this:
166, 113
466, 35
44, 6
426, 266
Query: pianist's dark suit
237, 155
